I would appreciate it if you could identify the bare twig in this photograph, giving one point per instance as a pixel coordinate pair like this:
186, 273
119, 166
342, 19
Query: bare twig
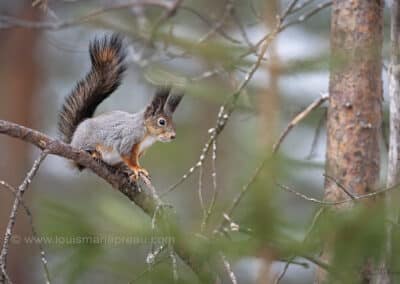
242, 29
213, 135
313, 223
151, 257
300, 6
305, 197
146, 271
28, 212
289, 9
307, 235
13, 215
174, 265
317, 136
315, 104
318, 262
308, 15
8, 186
285, 269
9, 22
154, 252
228, 269
208, 22
215, 28
341, 186
210, 209
168, 13
299, 263
229, 6
200, 191
240, 196
255, 10
327, 203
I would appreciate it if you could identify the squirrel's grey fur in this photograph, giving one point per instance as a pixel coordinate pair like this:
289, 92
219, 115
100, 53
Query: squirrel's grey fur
115, 136
116, 129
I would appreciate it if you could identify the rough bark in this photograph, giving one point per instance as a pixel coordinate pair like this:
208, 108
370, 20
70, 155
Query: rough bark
354, 113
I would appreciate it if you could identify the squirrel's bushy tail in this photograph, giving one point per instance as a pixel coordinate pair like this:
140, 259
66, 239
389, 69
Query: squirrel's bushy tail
107, 56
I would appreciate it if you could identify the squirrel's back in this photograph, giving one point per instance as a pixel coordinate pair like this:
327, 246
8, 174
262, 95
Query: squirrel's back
107, 56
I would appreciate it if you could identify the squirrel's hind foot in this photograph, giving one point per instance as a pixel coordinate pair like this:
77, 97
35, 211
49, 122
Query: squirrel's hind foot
133, 173
92, 152
137, 172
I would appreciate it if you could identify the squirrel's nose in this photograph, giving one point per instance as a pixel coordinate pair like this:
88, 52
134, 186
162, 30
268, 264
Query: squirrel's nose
172, 137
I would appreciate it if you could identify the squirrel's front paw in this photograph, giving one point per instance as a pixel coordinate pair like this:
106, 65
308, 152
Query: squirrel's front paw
137, 172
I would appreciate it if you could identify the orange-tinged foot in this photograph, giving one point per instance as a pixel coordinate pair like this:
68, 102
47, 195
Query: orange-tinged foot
137, 172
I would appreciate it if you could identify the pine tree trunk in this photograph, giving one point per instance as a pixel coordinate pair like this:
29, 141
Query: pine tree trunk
354, 113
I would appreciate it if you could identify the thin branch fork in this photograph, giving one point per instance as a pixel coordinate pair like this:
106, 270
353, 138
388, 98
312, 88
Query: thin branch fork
315, 104
29, 214
284, 25
148, 202
228, 10
13, 215
333, 203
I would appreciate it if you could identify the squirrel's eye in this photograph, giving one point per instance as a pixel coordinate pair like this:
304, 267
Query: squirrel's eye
161, 121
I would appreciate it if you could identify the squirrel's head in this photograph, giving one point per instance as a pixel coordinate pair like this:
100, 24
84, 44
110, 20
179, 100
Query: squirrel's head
158, 114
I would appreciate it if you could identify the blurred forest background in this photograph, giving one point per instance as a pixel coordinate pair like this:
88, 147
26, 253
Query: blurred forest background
208, 47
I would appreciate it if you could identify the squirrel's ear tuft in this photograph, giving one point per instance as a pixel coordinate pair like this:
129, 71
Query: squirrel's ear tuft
158, 102
172, 103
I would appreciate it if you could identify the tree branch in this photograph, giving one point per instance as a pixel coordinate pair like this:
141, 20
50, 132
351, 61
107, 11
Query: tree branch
148, 202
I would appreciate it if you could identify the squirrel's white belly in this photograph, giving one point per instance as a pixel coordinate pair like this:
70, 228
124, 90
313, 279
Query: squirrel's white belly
147, 142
